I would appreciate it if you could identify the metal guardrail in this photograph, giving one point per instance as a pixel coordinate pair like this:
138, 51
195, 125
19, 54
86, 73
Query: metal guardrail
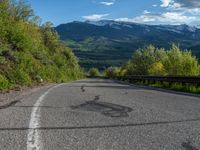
171, 79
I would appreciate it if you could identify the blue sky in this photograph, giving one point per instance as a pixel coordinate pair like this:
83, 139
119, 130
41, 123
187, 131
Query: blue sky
140, 11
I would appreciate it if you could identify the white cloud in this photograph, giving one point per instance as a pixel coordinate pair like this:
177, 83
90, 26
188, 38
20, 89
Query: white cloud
175, 12
165, 3
146, 12
188, 3
180, 7
182, 11
193, 11
107, 3
164, 18
124, 19
95, 17
186, 6
175, 5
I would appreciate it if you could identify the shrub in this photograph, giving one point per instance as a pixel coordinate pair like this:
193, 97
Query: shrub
157, 69
94, 72
4, 83
153, 61
112, 72
20, 77
30, 53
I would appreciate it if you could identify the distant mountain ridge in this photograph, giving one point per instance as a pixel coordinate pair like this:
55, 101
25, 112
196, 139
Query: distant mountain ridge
107, 42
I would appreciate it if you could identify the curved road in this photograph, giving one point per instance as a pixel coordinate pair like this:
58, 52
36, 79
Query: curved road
96, 114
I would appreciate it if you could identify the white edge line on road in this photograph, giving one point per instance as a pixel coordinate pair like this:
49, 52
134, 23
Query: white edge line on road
33, 138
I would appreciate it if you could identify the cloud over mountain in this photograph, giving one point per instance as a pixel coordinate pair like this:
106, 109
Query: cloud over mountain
174, 12
95, 17
189, 3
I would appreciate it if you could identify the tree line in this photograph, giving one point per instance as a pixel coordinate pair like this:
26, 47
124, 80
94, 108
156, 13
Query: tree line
150, 60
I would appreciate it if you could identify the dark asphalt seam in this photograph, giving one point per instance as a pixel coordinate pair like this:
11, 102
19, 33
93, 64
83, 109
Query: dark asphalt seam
9, 104
83, 88
188, 146
101, 126
96, 98
17, 100
52, 107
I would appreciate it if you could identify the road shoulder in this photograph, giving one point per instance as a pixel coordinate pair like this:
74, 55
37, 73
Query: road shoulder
12, 97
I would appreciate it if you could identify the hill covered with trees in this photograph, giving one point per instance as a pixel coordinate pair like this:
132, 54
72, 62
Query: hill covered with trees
30, 52
107, 43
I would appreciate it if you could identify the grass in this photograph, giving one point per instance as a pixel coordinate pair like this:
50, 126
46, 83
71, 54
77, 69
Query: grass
191, 88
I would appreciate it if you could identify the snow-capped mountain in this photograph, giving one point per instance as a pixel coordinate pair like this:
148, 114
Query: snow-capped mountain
120, 39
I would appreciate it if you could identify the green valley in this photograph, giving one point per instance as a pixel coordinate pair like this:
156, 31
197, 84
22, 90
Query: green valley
111, 43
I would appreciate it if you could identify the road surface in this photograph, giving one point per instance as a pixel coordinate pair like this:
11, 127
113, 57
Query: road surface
96, 114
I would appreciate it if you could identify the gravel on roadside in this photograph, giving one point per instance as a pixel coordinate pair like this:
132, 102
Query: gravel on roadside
10, 98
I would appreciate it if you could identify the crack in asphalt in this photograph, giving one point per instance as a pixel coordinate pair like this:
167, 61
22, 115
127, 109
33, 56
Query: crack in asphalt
9, 104
96, 98
103, 126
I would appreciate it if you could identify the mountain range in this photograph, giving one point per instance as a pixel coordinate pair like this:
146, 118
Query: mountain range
111, 43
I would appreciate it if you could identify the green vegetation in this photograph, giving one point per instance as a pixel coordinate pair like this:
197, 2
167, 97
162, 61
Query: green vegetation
160, 62
31, 53
111, 43
154, 61
94, 72
172, 86
112, 72
100, 52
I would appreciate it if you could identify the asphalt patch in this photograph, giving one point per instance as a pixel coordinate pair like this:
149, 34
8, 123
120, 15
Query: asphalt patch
188, 146
9, 104
104, 108
83, 88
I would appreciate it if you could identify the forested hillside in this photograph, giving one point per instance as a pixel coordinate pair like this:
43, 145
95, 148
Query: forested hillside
31, 53
111, 43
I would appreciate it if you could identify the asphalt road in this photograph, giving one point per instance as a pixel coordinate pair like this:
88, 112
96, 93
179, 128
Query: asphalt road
95, 114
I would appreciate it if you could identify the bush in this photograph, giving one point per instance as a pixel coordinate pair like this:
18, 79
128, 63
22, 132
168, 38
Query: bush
112, 72
94, 72
153, 61
157, 69
20, 77
30, 53
4, 83
181, 63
